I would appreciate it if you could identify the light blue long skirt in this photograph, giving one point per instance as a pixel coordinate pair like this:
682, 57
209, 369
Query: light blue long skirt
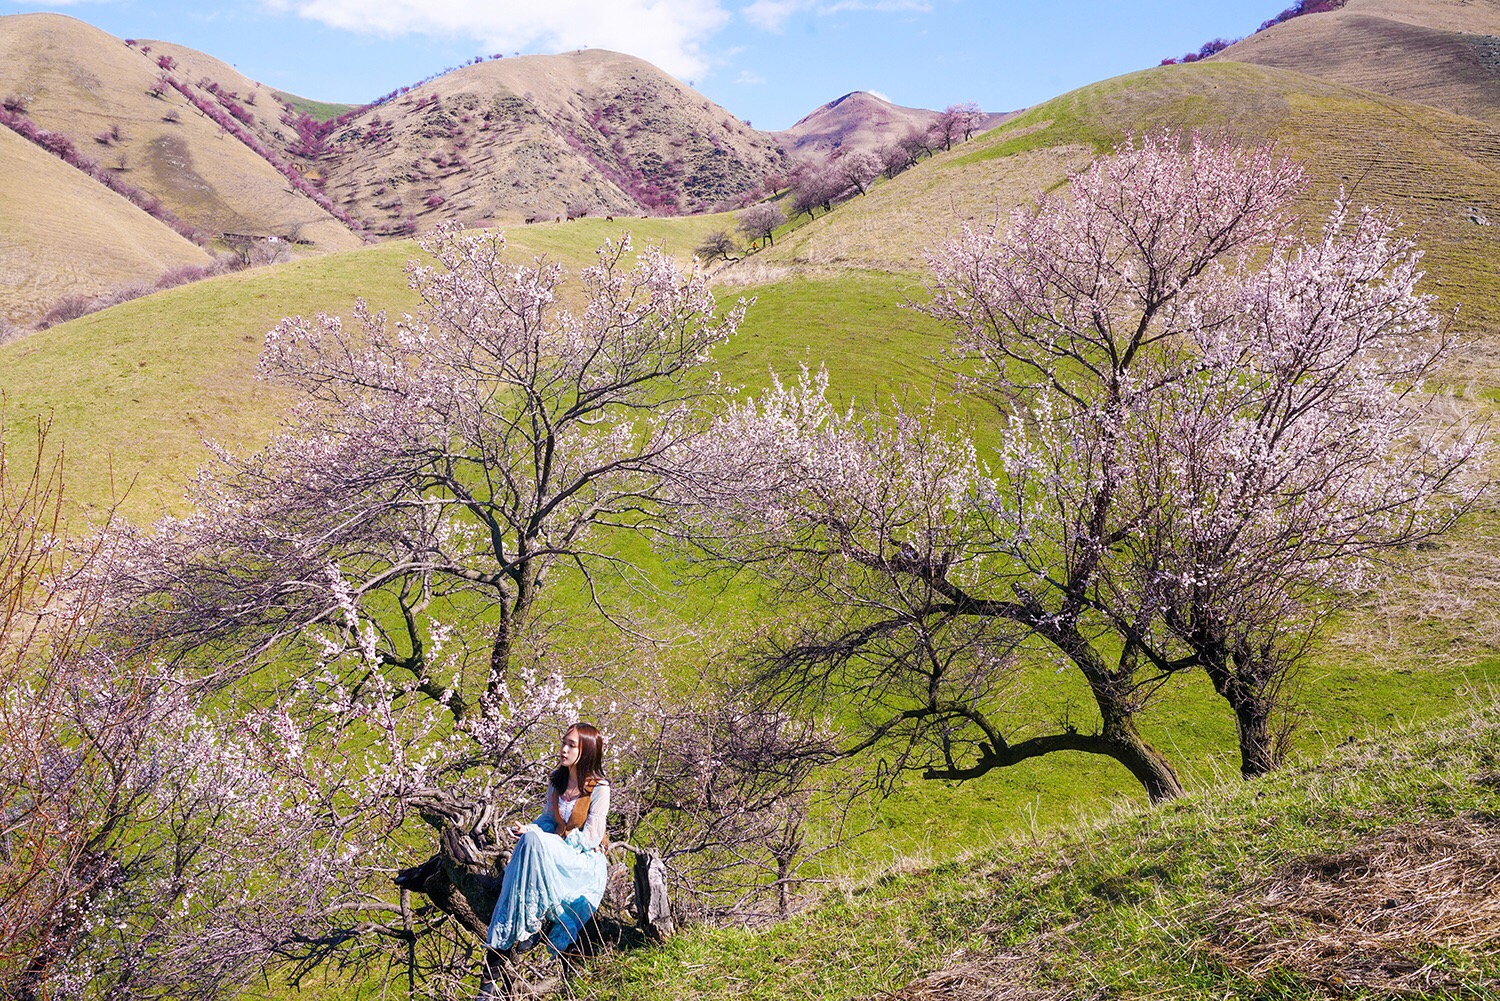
548, 878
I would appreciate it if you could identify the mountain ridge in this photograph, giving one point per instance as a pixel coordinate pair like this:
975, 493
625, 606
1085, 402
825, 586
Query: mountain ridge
1440, 53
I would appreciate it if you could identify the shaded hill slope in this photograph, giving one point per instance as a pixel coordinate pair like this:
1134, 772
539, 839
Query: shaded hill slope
1441, 172
63, 233
1435, 52
90, 86
529, 136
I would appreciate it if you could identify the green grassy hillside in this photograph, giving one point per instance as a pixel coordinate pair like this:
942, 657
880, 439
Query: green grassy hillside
1438, 170
1375, 874
134, 389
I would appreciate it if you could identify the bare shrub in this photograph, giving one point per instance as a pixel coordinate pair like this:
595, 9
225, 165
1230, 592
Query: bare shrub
716, 245
69, 307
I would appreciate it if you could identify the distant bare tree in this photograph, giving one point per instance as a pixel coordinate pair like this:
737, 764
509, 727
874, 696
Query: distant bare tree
968, 117
894, 158
817, 188
716, 245
916, 143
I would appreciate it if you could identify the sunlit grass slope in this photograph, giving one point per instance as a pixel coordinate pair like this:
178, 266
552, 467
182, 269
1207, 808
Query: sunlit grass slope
135, 389
1369, 875
1441, 172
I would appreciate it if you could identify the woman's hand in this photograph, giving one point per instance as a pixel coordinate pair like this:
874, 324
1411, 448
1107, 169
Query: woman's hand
515, 831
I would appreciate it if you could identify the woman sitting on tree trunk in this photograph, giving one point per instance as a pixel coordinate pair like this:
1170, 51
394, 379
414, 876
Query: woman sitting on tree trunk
558, 870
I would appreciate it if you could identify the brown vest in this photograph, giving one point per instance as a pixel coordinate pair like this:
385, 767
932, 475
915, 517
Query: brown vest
576, 819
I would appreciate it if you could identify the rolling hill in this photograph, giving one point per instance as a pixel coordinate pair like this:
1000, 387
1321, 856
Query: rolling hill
855, 121
1442, 53
62, 233
88, 85
531, 136
860, 121
1440, 171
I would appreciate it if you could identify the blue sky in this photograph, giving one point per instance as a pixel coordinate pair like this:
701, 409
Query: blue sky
769, 61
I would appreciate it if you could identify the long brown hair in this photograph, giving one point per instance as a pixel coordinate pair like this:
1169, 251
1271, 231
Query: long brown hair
590, 760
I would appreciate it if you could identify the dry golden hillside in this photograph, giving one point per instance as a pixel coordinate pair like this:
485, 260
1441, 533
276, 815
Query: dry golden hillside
1475, 17
1442, 53
860, 121
90, 86
63, 233
854, 121
527, 137
194, 67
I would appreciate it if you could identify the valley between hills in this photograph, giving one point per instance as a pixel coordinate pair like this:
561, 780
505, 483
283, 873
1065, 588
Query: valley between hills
1366, 868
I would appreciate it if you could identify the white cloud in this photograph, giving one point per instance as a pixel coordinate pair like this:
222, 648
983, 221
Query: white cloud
669, 33
749, 79
876, 93
888, 6
772, 15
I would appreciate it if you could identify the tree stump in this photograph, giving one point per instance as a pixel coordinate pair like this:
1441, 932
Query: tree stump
652, 906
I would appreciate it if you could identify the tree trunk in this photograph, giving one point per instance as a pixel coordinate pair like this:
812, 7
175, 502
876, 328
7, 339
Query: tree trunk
653, 909
1245, 686
1114, 693
1149, 766
1259, 754
462, 879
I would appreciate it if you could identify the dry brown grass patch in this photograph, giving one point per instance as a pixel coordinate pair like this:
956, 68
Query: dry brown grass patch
1372, 918
1011, 975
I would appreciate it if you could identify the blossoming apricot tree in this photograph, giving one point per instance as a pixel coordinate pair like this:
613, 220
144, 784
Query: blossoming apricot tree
129, 809
1209, 428
377, 583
